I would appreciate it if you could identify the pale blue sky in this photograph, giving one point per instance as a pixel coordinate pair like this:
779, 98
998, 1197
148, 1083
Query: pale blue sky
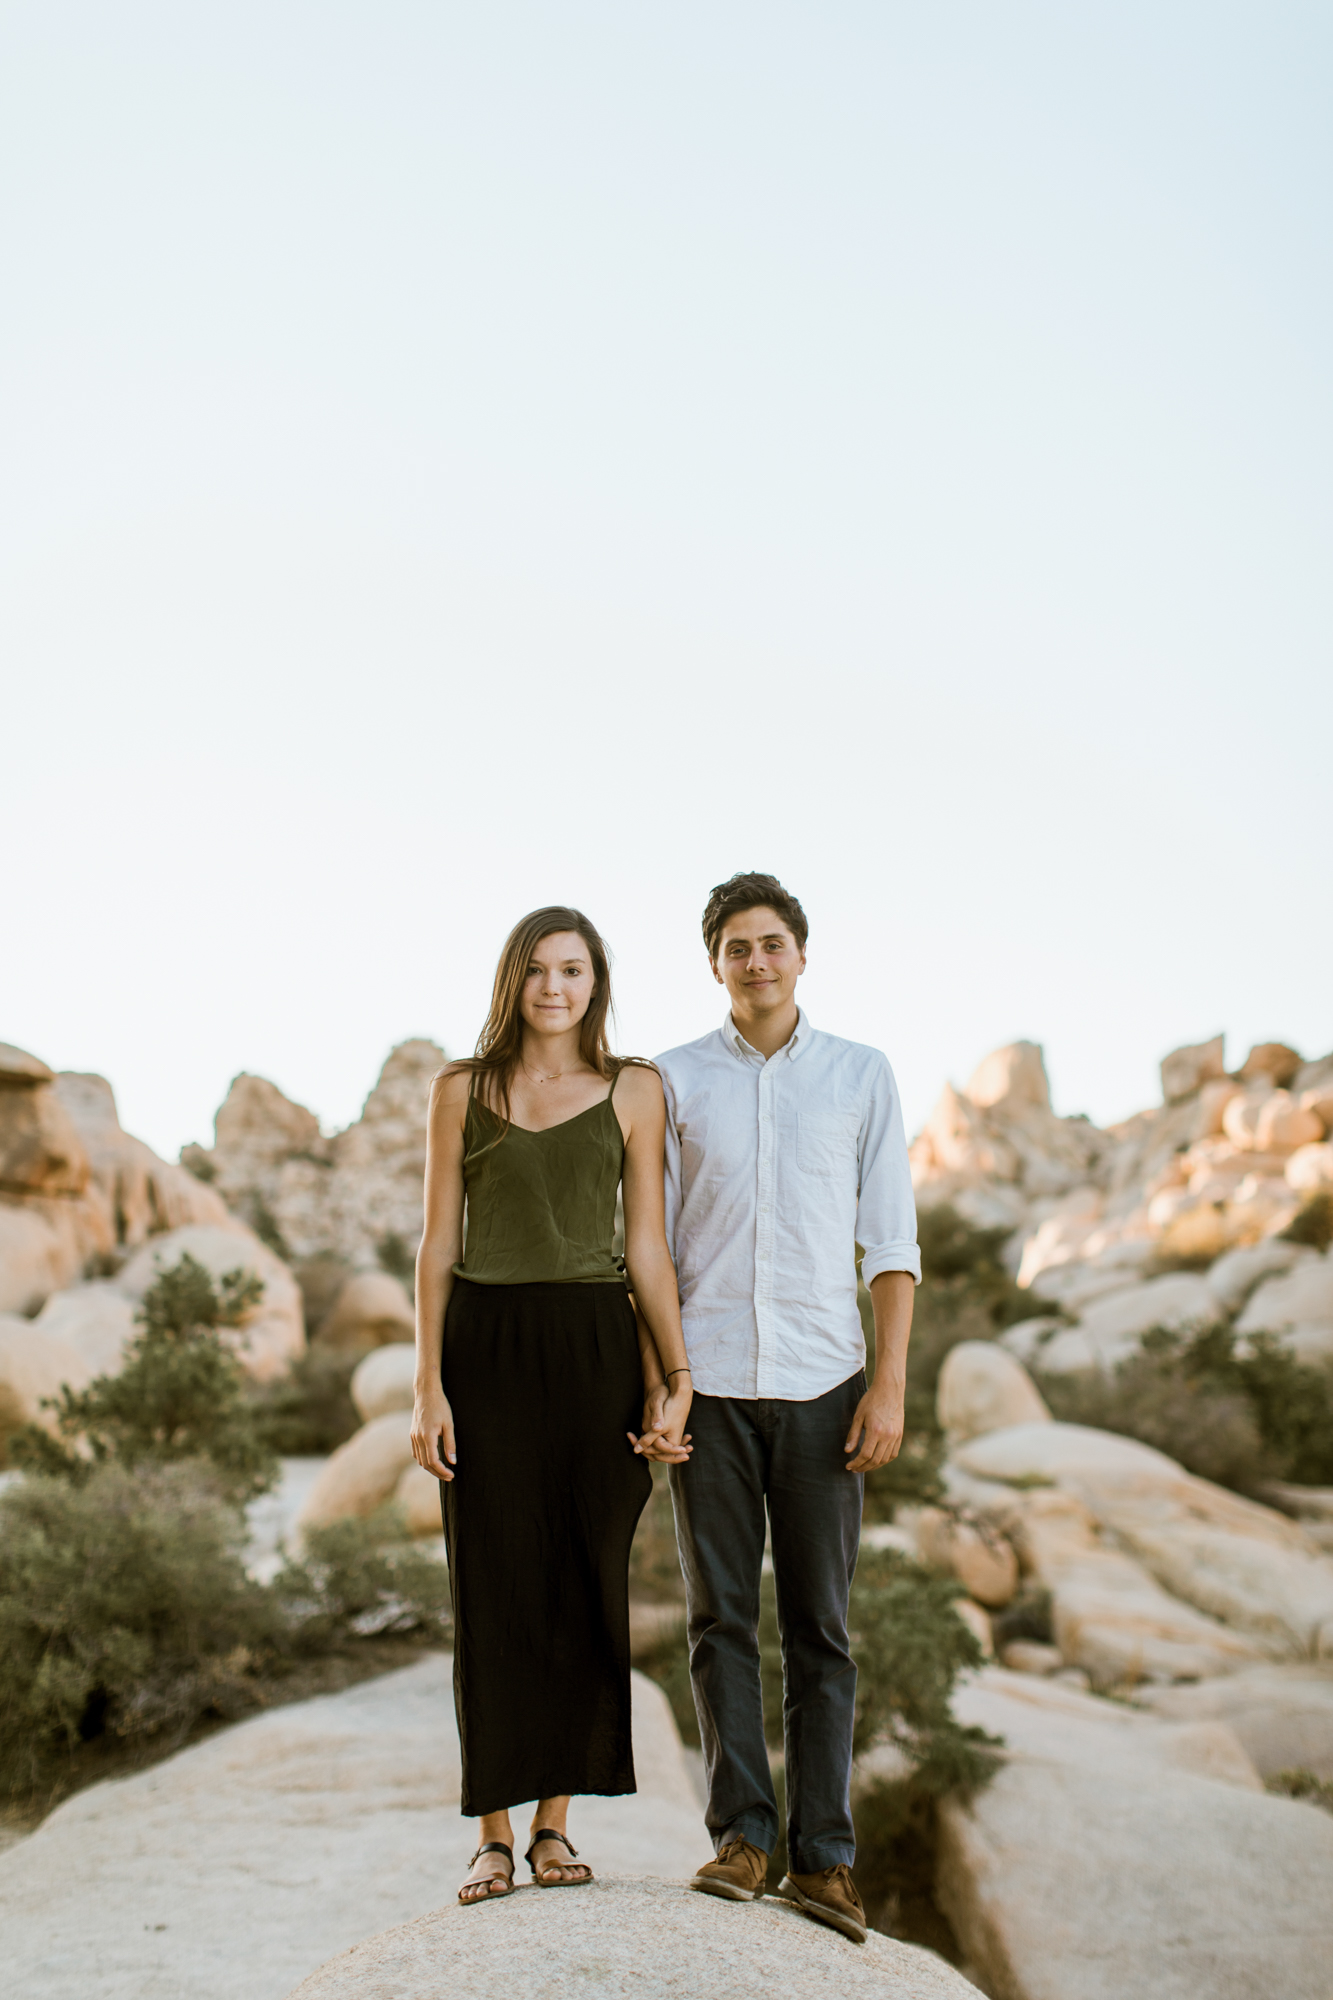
454, 459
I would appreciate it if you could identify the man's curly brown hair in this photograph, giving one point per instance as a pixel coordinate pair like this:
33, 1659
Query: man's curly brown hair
751, 892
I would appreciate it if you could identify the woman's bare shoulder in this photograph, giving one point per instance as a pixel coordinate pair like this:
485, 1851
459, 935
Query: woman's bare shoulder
639, 1084
450, 1089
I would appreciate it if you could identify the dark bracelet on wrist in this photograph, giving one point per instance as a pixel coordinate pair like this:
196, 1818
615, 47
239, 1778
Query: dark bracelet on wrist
677, 1371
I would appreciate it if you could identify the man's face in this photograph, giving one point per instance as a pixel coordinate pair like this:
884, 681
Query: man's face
758, 960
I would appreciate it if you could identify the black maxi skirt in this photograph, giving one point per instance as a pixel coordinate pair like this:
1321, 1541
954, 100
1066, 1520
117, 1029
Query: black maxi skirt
544, 1381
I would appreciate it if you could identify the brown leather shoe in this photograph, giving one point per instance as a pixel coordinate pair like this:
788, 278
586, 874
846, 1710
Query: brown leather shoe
830, 1897
739, 1873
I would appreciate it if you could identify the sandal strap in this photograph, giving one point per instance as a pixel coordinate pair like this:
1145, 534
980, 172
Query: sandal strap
549, 1833
494, 1847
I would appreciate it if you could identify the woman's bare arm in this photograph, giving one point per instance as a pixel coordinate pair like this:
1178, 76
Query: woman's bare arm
433, 1441
652, 1275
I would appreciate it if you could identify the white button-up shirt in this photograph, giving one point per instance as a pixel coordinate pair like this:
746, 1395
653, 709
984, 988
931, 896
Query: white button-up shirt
775, 1172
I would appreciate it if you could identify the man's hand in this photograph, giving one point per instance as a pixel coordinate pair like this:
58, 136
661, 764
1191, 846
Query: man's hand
664, 1435
877, 1427
433, 1427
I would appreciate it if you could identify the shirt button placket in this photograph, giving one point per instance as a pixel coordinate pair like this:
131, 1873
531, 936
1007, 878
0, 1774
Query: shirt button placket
764, 1235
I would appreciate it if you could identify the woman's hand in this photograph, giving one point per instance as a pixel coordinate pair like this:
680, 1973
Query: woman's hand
433, 1422
664, 1418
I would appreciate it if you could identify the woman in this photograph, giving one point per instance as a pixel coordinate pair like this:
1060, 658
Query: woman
532, 1370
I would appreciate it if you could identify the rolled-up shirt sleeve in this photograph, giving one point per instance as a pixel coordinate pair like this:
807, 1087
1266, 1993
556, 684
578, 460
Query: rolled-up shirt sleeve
885, 1206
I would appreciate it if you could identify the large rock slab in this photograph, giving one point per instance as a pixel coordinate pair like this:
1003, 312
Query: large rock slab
1246, 1565
1107, 1860
1115, 1324
234, 1869
644, 1937
1283, 1715
1111, 1617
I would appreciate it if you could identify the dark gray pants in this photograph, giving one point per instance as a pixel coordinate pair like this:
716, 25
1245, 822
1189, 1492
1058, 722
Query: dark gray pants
791, 1456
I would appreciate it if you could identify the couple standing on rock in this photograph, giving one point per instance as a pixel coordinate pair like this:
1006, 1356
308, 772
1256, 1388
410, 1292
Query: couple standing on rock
548, 1374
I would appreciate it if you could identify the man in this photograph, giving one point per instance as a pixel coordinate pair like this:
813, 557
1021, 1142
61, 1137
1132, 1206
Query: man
785, 1148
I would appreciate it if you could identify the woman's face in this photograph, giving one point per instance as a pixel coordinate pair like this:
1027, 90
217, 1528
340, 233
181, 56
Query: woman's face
559, 984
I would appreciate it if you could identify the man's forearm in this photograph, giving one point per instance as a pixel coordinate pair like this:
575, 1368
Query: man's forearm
892, 1296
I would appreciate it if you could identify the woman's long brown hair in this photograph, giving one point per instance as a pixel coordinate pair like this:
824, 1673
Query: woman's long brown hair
500, 1043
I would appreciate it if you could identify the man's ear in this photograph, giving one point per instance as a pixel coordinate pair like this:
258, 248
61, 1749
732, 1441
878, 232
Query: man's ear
716, 974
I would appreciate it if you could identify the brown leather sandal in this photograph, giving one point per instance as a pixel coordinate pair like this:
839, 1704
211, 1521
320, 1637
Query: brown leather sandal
549, 1833
492, 1893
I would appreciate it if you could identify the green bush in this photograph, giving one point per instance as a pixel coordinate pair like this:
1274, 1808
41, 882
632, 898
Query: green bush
124, 1607
1238, 1418
965, 1294
181, 1393
359, 1578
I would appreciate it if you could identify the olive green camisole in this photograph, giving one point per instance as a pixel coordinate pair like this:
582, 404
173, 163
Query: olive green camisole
541, 1206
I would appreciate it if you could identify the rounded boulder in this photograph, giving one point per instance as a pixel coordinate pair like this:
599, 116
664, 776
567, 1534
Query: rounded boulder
371, 1310
629, 1934
385, 1380
984, 1388
362, 1474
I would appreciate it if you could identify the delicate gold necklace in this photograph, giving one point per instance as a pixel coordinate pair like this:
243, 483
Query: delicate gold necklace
554, 1077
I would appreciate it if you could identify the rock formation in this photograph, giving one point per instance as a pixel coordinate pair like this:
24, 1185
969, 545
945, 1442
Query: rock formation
638, 1935
1099, 1221
355, 1197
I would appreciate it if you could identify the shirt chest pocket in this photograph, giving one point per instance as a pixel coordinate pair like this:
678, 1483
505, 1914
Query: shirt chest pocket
826, 1143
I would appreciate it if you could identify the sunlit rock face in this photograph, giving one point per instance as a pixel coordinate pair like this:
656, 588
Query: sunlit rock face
356, 1196
1099, 1218
78, 1194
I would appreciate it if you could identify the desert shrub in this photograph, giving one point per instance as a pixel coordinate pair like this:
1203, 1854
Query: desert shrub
965, 1292
1302, 1784
394, 1254
1314, 1224
265, 1224
1239, 1418
321, 1278
910, 1647
308, 1411
124, 1607
358, 1578
181, 1393
896, 1841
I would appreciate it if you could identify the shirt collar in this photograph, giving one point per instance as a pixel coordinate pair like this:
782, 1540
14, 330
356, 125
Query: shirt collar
800, 1040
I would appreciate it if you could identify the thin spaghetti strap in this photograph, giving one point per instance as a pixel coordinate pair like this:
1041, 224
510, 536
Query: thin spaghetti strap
614, 1081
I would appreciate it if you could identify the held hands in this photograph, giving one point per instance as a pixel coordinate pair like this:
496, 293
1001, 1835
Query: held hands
877, 1428
432, 1429
665, 1413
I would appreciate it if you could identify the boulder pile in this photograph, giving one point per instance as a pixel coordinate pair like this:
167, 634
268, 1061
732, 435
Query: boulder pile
88, 1215
1145, 1573
1175, 1218
354, 1197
